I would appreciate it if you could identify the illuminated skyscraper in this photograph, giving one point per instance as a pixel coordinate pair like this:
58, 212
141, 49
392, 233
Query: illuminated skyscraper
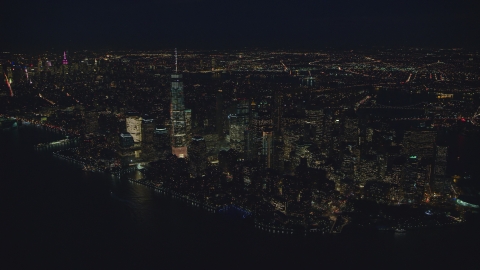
39, 66
188, 124
267, 147
134, 127
239, 126
214, 64
65, 61
64, 65
10, 75
177, 115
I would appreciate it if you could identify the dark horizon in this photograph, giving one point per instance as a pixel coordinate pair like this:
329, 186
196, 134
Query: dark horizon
214, 24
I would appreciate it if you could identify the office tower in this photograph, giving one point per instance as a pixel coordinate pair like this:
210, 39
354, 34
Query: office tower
134, 127
148, 133
369, 135
219, 115
328, 132
188, 124
64, 64
350, 131
161, 142
267, 148
301, 152
440, 184
238, 127
65, 61
148, 129
39, 66
306, 176
214, 64
10, 75
382, 166
314, 117
348, 165
260, 120
278, 112
419, 143
127, 151
410, 178
253, 112
126, 140
292, 131
197, 153
177, 115
366, 169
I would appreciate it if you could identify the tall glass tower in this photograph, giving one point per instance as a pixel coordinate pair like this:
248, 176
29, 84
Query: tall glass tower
177, 115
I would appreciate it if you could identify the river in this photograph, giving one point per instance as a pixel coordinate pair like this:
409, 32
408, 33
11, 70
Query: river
56, 215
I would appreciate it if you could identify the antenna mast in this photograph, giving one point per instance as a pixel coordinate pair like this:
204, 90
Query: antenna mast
176, 63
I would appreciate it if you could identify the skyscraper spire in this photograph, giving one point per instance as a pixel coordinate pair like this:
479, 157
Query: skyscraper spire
65, 61
176, 63
178, 115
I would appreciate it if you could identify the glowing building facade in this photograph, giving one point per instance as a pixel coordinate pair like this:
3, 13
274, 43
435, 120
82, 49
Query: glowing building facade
134, 127
65, 61
267, 147
239, 126
177, 115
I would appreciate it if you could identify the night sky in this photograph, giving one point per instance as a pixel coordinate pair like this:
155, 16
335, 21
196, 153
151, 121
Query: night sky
218, 24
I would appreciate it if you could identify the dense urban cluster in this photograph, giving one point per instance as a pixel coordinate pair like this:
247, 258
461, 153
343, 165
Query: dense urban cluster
309, 141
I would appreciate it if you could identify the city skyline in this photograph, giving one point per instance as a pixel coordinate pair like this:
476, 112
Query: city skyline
285, 145
240, 134
369, 123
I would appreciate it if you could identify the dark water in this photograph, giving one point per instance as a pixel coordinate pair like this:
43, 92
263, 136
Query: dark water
55, 215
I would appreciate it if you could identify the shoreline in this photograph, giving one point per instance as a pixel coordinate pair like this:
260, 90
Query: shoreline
222, 210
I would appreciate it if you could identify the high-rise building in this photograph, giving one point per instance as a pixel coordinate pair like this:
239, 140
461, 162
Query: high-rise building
64, 64
267, 147
134, 127
259, 123
219, 114
39, 66
148, 132
126, 140
440, 184
419, 143
65, 61
238, 126
188, 124
177, 115
10, 75
161, 142
411, 178
148, 129
198, 156
350, 131
214, 64
314, 117
278, 112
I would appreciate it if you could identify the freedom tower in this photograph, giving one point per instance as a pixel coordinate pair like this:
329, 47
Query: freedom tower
177, 115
